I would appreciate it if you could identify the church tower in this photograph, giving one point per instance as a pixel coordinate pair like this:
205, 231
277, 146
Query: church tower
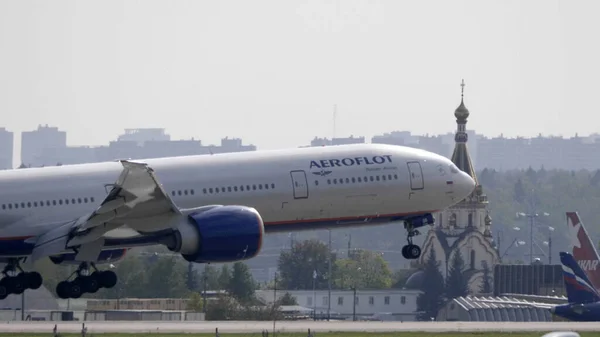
464, 228
470, 213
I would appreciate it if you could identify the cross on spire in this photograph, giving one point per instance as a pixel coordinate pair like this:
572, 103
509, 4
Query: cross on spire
462, 89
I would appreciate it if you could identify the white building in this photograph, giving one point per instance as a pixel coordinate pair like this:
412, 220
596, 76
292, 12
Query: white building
402, 304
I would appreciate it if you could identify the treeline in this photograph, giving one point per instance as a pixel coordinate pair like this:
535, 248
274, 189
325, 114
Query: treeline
153, 272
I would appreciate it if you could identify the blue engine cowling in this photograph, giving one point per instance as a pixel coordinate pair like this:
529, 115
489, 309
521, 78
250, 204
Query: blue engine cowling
105, 256
222, 234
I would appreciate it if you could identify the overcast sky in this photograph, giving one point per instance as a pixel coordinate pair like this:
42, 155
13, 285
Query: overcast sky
270, 72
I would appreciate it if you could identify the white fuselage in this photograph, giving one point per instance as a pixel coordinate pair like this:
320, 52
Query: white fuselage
291, 189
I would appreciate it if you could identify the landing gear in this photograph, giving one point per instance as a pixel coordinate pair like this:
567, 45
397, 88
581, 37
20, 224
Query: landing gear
87, 281
16, 281
412, 251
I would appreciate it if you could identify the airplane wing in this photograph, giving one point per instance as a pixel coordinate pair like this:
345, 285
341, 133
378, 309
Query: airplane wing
136, 194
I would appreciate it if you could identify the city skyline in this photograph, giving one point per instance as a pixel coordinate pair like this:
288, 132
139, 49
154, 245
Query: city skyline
47, 146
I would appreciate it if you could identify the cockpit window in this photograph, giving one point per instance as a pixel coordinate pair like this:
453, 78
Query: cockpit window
453, 168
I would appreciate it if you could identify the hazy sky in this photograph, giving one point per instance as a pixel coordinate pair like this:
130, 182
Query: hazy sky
271, 71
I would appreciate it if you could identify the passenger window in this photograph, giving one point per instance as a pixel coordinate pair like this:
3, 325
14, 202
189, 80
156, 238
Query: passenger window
73, 200
35, 204
260, 186
9, 206
247, 187
383, 177
396, 176
192, 192
371, 178
210, 190
353, 180
92, 199
272, 185
347, 180
235, 188
359, 180
242, 188
254, 186
335, 181
266, 186
377, 178
60, 201
389, 177
228, 188
341, 181
316, 183
16, 205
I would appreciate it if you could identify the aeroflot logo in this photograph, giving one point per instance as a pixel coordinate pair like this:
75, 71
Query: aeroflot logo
588, 264
326, 163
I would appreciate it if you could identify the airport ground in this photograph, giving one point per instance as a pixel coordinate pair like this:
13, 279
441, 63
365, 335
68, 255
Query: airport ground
297, 328
319, 334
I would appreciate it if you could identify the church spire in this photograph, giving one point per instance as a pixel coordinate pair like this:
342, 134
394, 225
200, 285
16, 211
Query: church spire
460, 156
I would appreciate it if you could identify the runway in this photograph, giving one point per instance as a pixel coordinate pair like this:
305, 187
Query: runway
290, 326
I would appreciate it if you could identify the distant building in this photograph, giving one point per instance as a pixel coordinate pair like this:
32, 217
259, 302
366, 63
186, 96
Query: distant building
401, 304
35, 143
47, 147
6, 149
466, 226
337, 141
141, 136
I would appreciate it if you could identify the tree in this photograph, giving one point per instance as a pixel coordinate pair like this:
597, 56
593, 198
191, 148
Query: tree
195, 302
456, 282
297, 265
519, 191
400, 277
287, 299
241, 285
224, 277
365, 269
486, 284
431, 299
210, 275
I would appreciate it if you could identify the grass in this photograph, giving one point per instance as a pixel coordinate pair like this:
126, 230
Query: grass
318, 334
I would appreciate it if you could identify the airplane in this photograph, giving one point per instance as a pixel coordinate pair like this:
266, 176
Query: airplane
210, 208
583, 299
583, 249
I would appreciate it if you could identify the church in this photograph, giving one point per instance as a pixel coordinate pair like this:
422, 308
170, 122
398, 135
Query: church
464, 227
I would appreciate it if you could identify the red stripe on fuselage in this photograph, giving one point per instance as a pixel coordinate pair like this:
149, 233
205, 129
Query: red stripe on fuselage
359, 217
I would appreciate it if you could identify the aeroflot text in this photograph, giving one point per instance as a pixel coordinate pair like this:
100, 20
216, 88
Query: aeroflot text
325, 163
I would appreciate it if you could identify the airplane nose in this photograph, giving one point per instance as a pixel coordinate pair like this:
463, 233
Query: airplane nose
466, 185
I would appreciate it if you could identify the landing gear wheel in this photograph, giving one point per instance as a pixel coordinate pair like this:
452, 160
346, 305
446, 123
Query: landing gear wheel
108, 279
3, 289
34, 280
75, 289
91, 284
62, 289
16, 284
413, 251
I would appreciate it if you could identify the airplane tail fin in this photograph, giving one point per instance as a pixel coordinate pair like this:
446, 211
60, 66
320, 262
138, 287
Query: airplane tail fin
578, 285
583, 249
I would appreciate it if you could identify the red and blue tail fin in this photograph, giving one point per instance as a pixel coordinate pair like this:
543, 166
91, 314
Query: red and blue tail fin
578, 285
583, 249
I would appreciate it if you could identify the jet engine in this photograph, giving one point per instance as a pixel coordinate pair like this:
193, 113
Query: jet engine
219, 234
105, 256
